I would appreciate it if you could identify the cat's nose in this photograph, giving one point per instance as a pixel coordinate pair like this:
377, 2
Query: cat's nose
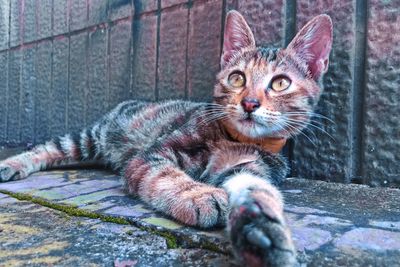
250, 104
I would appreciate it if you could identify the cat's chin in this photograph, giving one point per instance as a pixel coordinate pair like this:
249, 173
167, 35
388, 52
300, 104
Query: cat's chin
252, 129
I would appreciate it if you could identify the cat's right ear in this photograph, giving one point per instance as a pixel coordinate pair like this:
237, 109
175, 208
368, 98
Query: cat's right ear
237, 35
313, 43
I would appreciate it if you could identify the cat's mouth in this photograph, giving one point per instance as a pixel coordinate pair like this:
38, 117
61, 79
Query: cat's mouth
254, 126
248, 121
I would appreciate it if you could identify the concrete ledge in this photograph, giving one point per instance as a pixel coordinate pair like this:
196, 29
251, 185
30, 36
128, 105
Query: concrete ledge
332, 224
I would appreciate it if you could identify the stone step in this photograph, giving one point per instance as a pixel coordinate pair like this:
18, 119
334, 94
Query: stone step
332, 224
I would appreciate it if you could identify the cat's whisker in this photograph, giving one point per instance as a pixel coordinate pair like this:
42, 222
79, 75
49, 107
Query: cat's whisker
295, 127
213, 117
206, 113
311, 132
310, 114
310, 121
314, 126
282, 127
302, 133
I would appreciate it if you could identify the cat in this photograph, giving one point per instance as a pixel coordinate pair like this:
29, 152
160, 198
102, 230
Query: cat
208, 164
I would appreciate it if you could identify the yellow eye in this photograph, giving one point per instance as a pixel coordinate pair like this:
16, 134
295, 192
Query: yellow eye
237, 79
280, 84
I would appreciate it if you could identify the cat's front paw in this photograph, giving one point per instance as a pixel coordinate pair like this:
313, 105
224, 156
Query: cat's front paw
202, 206
259, 235
8, 173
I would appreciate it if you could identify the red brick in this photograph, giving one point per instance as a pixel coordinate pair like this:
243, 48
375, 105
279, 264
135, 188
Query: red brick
3, 95
120, 62
43, 90
169, 3
29, 21
123, 10
204, 48
13, 96
97, 11
44, 13
144, 60
172, 53
59, 91
144, 6
97, 98
16, 21
77, 82
78, 14
4, 23
60, 17
266, 19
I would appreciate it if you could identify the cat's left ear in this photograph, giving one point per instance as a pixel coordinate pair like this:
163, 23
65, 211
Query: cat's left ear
237, 35
313, 44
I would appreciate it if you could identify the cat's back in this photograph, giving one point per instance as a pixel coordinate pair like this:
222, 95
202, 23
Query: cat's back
152, 118
133, 126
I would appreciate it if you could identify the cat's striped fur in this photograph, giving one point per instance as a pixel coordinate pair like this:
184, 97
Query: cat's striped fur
202, 163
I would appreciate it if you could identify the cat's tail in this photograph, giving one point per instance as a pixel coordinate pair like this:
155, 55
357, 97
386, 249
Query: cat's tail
62, 150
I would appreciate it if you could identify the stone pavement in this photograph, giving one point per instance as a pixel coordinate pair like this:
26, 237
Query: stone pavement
83, 217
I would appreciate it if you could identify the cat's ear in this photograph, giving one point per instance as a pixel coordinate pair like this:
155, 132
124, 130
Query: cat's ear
237, 35
313, 44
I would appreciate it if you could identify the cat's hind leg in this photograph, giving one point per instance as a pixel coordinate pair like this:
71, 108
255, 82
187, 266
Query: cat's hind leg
59, 151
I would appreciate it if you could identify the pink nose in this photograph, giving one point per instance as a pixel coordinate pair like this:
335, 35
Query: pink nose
250, 104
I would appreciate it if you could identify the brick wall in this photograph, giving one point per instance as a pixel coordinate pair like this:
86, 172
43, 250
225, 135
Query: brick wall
66, 62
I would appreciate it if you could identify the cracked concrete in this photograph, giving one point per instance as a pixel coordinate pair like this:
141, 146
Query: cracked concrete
332, 225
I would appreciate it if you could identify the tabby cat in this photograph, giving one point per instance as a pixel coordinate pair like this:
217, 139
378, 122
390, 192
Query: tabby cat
209, 164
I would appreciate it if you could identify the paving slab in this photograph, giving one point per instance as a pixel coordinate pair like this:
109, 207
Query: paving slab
33, 235
332, 224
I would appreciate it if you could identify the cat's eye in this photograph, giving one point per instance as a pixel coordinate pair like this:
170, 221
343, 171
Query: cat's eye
280, 83
237, 79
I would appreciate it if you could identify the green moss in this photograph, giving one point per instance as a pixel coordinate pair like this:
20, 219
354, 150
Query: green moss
212, 247
129, 232
169, 238
68, 209
71, 210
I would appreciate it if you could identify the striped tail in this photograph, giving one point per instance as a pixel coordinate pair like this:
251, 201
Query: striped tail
61, 150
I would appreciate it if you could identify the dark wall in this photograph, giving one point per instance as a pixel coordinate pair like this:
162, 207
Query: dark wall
66, 62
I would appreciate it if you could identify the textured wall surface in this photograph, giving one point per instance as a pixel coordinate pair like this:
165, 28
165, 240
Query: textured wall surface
66, 62
330, 157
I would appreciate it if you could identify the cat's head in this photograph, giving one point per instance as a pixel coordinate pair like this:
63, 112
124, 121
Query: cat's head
267, 92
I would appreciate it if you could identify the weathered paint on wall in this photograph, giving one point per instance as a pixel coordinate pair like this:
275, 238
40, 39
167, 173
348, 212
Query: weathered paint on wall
64, 63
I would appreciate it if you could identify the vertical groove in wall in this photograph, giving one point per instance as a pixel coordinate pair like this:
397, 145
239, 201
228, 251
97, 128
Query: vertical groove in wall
9, 25
20, 104
223, 15
189, 6
290, 31
136, 7
290, 21
6, 104
21, 48
358, 95
108, 49
50, 93
129, 91
34, 107
158, 48
133, 44
8, 71
22, 22
85, 106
